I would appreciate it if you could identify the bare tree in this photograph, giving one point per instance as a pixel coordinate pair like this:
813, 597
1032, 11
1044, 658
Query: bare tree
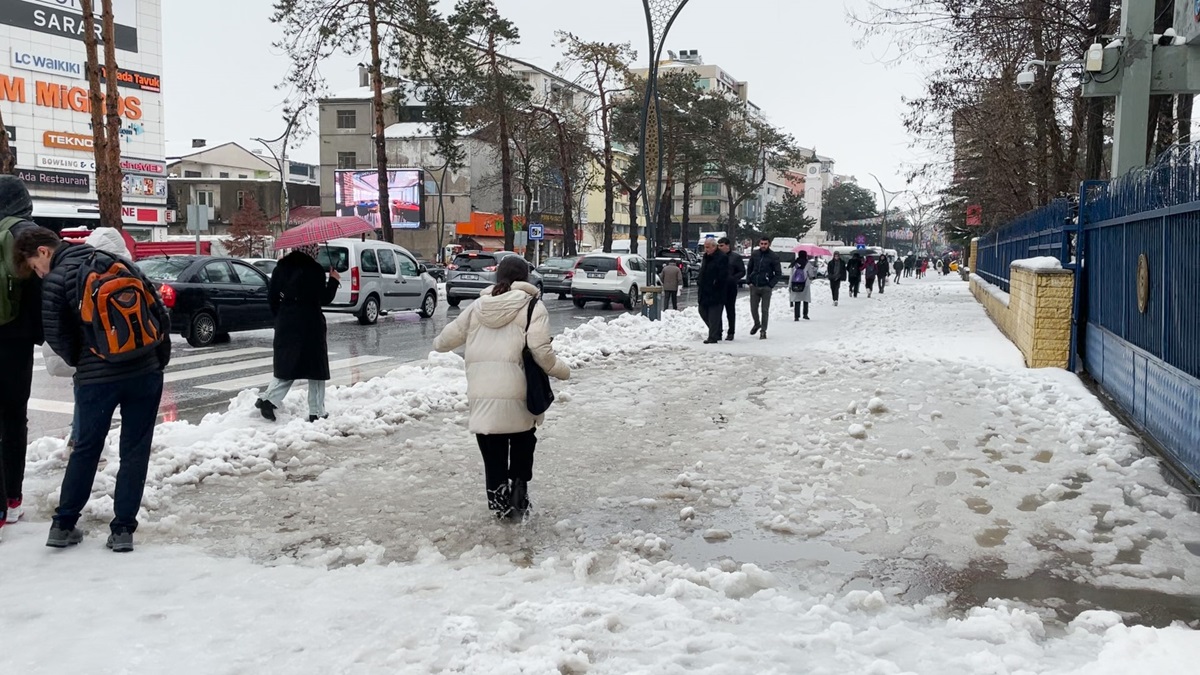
8, 159
106, 135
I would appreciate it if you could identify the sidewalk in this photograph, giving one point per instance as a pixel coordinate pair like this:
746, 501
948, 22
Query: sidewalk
844, 497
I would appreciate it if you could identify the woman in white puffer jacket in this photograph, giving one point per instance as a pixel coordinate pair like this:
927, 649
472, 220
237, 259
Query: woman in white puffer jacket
493, 329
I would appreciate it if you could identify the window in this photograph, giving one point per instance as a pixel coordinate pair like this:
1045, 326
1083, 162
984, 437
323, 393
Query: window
347, 160
710, 207
347, 119
472, 262
408, 268
242, 175
216, 273
710, 188
164, 269
191, 174
301, 170
250, 276
334, 256
518, 201
205, 197
368, 262
241, 198
224, 174
387, 262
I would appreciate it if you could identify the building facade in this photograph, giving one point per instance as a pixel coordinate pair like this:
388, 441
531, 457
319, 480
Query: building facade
44, 100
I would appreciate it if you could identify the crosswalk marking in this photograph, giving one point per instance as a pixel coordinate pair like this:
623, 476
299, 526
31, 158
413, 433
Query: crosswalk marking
196, 373
201, 358
256, 380
59, 407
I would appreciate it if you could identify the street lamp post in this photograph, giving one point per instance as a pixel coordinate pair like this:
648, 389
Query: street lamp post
660, 16
280, 158
887, 204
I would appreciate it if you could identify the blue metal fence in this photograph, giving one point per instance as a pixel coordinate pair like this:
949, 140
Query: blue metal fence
1044, 232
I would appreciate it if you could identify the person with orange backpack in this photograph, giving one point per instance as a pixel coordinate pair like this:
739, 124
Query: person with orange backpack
105, 319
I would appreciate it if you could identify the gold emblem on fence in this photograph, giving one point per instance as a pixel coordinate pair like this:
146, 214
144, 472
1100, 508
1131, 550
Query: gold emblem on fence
1143, 283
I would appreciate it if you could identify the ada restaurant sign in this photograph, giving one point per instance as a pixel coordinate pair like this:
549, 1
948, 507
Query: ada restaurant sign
67, 163
55, 180
64, 19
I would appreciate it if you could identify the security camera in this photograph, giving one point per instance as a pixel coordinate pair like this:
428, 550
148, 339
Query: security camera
1026, 79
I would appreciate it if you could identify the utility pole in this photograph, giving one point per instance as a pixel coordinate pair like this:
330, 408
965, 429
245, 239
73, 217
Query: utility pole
1132, 121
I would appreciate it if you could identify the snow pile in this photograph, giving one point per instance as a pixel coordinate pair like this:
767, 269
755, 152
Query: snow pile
1039, 264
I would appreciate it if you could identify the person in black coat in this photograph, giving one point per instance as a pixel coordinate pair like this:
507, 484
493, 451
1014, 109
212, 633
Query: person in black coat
883, 268
737, 272
298, 292
712, 289
17, 340
854, 270
836, 271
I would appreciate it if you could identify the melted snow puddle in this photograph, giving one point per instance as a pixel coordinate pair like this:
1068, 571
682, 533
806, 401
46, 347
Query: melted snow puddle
773, 554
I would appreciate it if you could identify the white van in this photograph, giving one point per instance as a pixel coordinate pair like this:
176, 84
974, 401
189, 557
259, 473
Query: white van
377, 278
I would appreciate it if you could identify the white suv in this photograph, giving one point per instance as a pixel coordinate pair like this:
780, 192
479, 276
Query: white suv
608, 278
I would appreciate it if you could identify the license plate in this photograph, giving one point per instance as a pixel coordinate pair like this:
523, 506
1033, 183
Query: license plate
597, 275
550, 275
469, 277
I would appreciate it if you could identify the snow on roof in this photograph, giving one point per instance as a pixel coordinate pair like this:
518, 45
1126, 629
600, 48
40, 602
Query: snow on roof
408, 130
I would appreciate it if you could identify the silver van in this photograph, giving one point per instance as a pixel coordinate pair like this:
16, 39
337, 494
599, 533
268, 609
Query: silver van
377, 278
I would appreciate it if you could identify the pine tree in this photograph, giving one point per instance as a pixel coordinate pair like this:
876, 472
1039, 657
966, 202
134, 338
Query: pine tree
249, 231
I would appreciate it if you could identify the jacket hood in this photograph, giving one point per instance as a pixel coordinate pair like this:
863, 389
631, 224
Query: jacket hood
497, 311
110, 241
14, 198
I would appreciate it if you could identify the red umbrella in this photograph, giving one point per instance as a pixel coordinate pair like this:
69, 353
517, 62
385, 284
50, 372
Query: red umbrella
812, 250
321, 230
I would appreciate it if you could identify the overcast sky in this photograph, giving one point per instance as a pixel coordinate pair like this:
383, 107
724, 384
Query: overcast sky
798, 56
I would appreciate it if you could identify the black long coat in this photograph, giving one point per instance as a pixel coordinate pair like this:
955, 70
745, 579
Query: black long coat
714, 279
298, 292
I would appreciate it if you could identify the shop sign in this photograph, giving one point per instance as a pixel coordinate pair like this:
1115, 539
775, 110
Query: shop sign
144, 186
59, 180
62, 97
68, 141
67, 163
140, 214
144, 166
41, 62
65, 19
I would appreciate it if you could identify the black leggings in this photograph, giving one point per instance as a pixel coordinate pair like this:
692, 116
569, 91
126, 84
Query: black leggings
796, 305
836, 287
507, 457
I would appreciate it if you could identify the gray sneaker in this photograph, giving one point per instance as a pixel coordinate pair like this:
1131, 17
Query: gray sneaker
120, 542
61, 538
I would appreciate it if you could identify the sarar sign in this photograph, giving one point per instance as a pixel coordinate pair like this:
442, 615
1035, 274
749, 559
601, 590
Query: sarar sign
64, 19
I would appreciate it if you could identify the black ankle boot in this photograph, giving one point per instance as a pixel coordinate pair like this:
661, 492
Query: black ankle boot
519, 498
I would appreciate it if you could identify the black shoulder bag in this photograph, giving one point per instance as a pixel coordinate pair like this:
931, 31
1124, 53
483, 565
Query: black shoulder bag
538, 395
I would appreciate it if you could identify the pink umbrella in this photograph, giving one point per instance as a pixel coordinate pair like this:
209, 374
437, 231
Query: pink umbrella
812, 250
321, 230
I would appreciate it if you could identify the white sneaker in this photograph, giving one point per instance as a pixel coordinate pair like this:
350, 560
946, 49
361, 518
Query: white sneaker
15, 511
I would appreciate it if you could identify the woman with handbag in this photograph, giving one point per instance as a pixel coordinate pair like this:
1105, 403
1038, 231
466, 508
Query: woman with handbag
508, 355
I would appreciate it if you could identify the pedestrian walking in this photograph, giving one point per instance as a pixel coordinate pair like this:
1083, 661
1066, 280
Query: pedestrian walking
898, 267
298, 291
882, 269
869, 271
803, 271
737, 272
923, 268
496, 328
910, 264
672, 279
20, 332
104, 318
762, 274
712, 288
836, 271
854, 272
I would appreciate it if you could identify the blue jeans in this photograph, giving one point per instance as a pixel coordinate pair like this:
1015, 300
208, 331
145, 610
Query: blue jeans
95, 404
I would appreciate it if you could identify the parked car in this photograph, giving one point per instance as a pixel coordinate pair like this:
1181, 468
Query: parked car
264, 265
377, 278
473, 271
687, 260
608, 278
210, 297
434, 269
557, 274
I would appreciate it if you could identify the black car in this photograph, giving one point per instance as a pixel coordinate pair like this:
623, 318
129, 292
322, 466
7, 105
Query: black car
210, 297
682, 257
433, 269
557, 274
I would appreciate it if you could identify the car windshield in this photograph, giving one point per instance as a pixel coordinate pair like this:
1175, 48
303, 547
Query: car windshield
336, 257
598, 264
559, 263
164, 269
474, 263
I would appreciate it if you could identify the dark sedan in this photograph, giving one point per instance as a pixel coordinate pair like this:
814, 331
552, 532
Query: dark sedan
210, 297
557, 274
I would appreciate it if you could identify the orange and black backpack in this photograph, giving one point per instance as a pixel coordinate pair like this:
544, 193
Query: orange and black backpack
117, 310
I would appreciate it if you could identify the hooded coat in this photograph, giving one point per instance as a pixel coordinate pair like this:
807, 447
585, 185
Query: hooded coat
27, 328
298, 292
493, 330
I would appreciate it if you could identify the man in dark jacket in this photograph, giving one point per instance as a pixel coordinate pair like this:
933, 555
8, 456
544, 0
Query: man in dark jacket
883, 267
298, 292
737, 272
18, 335
854, 272
762, 274
836, 271
101, 385
712, 289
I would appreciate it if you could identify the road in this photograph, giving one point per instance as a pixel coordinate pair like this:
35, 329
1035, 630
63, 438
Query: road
202, 381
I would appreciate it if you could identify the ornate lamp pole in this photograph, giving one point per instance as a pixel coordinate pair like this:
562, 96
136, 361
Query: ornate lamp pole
660, 16
888, 196
278, 147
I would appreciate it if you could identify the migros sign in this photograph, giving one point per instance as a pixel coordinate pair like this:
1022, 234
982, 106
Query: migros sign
62, 97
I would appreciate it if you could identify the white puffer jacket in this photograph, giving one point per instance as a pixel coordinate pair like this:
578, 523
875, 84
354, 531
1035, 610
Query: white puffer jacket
493, 329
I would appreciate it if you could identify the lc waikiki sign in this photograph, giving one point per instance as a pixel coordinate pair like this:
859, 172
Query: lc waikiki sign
62, 97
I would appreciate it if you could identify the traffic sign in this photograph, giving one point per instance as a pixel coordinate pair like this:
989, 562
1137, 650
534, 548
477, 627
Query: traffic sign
862, 247
537, 232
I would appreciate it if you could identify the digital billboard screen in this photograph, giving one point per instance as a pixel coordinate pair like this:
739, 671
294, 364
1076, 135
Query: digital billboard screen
356, 193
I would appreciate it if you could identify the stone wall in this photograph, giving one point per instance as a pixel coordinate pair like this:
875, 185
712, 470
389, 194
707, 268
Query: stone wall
1035, 314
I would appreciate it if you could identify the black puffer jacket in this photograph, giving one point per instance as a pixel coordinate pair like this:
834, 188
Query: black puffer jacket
27, 328
737, 270
63, 327
764, 270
